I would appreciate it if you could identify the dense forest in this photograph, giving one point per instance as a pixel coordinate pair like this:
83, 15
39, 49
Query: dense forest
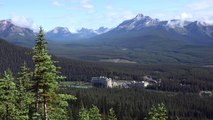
134, 104
191, 78
35, 85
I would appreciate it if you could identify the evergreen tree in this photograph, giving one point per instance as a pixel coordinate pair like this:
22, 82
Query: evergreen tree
94, 113
83, 114
7, 97
157, 113
112, 115
45, 76
91, 114
59, 107
24, 95
49, 104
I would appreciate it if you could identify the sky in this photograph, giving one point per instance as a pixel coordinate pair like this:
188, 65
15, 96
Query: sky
93, 14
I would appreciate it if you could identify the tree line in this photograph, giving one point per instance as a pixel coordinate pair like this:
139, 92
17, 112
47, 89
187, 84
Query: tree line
175, 78
135, 104
33, 93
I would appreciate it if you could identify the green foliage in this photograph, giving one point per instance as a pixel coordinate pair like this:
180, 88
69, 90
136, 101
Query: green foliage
157, 113
91, 114
83, 114
58, 106
112, 115
45, 74
194, 78
24, 95
134, 104
94, 113
8, 109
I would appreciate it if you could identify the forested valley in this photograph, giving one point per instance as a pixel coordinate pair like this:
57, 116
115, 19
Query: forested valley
30, 89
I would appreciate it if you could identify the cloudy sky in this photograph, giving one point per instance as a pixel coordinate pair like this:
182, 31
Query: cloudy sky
75, 14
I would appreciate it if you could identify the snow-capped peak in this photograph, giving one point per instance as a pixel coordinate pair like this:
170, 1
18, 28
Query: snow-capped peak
139, 17
203, 23
4, 24
102, 30
85, 30
60, 30
175, 23
137, 23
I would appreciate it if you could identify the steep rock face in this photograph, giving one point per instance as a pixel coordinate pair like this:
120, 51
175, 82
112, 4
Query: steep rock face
102, 30
16, 34
59, 34
137, 23
86, 33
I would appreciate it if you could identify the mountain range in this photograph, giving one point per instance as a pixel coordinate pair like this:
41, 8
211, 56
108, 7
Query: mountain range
141, 39
63, 33
140, 25
25, 36
143, 26
16, 34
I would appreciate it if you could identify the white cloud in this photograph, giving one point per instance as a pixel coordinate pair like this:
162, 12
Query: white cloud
115, 17
56, 3
84, 3
201, 5
109, 7
201, 10
88, 6
185, 16
24, 22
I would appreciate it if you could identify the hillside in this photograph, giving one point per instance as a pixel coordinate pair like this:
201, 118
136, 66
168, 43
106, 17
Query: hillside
14, 56
178, 82
172, 75
142, 39
15, 34
148, 41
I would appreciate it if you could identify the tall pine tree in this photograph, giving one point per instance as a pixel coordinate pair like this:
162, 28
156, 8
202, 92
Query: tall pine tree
45, 76
112, 115
8, 109
24, 94
157, 113
48, 104
94, 113
83, 114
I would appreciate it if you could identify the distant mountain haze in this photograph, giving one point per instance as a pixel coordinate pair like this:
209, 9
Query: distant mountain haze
143, 24
141, 39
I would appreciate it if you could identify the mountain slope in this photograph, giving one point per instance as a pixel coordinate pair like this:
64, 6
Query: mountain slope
59, 34
143, 27
15, 34
62, 34
141, 40
146, 40
13, 57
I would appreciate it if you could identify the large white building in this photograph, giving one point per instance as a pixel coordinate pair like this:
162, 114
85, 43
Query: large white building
102, 82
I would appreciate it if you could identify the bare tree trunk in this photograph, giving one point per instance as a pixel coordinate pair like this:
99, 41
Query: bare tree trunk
37, 100
45, 109
45, 104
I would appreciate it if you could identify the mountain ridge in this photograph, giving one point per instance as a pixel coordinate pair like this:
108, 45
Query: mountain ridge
139, 23
141, 39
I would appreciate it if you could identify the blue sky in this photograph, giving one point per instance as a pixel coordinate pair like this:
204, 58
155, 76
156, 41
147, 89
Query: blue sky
76, 14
